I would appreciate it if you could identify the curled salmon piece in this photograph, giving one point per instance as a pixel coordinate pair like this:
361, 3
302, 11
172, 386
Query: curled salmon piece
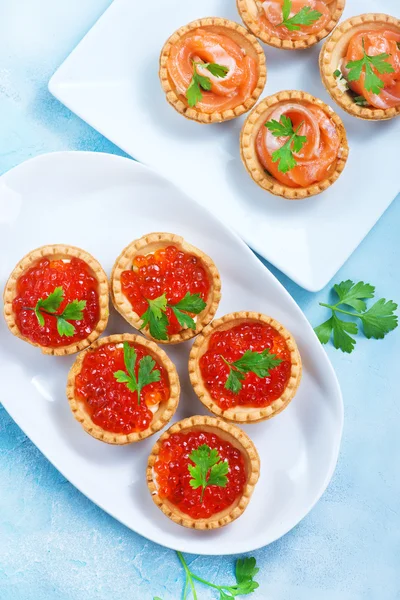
382, 41
317, 158
271, 17
202, 47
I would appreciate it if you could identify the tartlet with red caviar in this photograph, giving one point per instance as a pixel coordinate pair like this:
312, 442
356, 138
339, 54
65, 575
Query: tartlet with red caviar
294, 145
360, 66
166, 287
245, 367
56, 298
291, 24
202, 472
123, 389
212, 70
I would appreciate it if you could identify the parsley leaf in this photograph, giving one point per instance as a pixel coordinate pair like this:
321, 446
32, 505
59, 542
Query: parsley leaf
367, 64
146, 374
284, 128
50, 305
234, 381
354, 294
199, 82
208, 469
156, 319
259, 363
360, 101
305, 16
377, 321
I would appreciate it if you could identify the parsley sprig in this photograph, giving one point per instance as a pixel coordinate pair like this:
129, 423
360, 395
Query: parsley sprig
50, 305
294, 143
245, 571
208, 469
260, 363
377, 321
146, 373
201, 82
305, 16
367, 64
156, 318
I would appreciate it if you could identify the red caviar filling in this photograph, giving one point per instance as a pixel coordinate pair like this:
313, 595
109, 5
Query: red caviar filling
167, 270
78, 283
232, 344
110, 404
173, 475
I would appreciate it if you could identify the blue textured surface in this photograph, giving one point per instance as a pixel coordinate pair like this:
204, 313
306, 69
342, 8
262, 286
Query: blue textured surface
54, 543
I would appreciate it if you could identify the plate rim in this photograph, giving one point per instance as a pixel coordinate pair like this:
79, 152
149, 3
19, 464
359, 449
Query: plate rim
132, 164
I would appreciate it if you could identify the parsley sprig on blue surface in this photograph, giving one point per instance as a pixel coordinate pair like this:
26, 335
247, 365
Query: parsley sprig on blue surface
377, 321
245, 572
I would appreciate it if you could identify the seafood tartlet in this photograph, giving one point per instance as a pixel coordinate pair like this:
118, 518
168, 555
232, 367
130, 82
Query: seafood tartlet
212, 70
291, 24
202, 472
123, 389
56, 298
360, 66
165, 287
245, 367
294, 145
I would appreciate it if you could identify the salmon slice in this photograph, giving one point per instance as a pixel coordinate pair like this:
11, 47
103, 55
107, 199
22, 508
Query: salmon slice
317, 158
272, 15
377, 42
203, 46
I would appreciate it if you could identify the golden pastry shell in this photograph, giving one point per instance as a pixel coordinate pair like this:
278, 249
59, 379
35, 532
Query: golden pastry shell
165, 411
55, 252
228, 432
248, 12
242, 37
334, 50
150, 243
248, 151
244, 414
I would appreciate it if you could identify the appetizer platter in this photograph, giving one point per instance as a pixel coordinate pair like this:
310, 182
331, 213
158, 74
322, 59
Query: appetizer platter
172, 324
267, 113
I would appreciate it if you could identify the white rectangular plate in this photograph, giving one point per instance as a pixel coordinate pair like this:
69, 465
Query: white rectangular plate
111, 81
102, 202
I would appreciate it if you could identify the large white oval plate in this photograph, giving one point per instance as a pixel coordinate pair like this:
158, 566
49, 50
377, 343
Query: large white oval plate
101, 202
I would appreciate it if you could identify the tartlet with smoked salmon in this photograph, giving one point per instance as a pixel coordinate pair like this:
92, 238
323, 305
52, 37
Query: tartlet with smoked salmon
123, 388
212, 70
245, 367
293, 145
165, 287
57, 298
360, 66
202, 472
291, 24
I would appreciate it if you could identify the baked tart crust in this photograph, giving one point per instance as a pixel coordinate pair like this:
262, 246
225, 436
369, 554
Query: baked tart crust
150, 243
237, 438
252, 163
248, 12
333, 51
58, 251
244, 414
238, 34
165, 411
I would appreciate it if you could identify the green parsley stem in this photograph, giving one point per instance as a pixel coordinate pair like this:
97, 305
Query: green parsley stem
335, 308
189, 575
41, 310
